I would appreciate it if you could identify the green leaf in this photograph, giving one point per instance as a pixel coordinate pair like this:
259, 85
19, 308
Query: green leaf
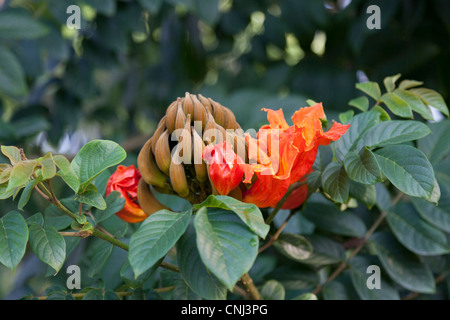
415, 103
335, 182
100, 294
329, 218
408, 169
36, 218
362, 167
12, 153
54, 217
370, 88
26, 193
314, 180
406, 84
365, 194
389, 82
20, 174
397, 105
359, 276
296, 277
155, 237
403, 267
194, 272
293, 246
358, 125
13, 239
306, 296
249, 213
92, 198
127, 274
20, 25
114, 203
95, 157
437, 215
361, 103
12, 77
66, 172
414, 233
436, 145
101, 254
325, 251
273, 290
48, 167
151, 5
227, 247
338, 290
48, 245
393, 132
345, 117
431, 98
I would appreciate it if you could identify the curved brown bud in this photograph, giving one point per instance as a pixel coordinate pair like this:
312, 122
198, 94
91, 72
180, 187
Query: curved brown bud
230, 119
162, 153
178, 179
186, 142
206, 103
181, 117
188, 105
218, 112
199, 165
200, 113
159, 130
171, 115
148, 167
147, 201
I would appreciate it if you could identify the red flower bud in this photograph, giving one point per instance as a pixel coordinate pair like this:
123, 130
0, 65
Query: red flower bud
125, 180
224, 170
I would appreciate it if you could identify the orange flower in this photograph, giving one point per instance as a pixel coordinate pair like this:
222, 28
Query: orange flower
125, 180
224, 170
285, 154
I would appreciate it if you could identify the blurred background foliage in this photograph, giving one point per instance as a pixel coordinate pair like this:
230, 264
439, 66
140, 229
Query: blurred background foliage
114, 78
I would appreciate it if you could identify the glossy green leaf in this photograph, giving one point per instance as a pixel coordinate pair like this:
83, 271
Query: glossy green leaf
436, 145
293, 246
370, 88
95, 157
361, 103
66, 172
359, 276
403, 267
20, 25
432, 98
415, 103
408, 169
329, 218
362, 167
414, 233
48, 167
273, 290
437, 215
101, 254
325, 251
358, 125
155, 237
193, 270
249, 213
306, 296
228, 248
335, 182
48, 245
406, 84
365, 194
114, 203
12, 153
13, 239
12, 76
92, 197
397, 105
26, 193
20, 174
389, 82
393, 132
127, 274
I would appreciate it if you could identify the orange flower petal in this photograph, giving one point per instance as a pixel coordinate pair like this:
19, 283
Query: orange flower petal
276, 118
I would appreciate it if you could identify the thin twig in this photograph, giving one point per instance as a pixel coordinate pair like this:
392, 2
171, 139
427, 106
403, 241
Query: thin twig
369, 232
250, 287
276, 235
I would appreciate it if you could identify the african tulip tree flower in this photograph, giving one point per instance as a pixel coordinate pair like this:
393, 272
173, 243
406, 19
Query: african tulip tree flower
125, 180
224, 167
297, 149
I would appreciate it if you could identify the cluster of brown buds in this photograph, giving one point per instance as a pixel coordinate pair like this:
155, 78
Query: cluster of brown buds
171, 160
